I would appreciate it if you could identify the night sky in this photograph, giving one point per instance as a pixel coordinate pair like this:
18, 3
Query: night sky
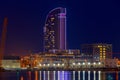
88, 21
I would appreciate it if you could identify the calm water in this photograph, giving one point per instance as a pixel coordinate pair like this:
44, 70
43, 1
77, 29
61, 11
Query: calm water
60, 75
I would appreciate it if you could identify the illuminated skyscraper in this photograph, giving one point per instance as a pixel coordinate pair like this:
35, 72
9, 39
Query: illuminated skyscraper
55, 30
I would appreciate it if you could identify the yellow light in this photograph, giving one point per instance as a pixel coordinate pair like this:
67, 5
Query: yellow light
39, 64
103, 48
99, 46
104, 51
58, 64
100, 51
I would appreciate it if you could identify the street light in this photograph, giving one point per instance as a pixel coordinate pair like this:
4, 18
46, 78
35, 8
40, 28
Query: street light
73, 63
99, 63
83, 63
48, 64
63, 64
88, 63
94, 63
39, 64
53, 64
58, 64
78, 63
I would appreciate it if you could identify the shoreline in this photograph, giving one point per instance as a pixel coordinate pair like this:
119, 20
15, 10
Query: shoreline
79, 69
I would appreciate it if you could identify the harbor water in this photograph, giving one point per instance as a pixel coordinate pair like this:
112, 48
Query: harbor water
60, 75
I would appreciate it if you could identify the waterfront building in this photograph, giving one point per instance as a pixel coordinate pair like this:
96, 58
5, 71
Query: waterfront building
11, 62
55, 30
68, 51
110, 63
96, 51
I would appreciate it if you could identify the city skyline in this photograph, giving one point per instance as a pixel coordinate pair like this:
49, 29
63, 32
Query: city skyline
92, 22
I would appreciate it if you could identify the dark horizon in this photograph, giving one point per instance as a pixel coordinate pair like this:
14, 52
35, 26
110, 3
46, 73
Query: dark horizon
87, 22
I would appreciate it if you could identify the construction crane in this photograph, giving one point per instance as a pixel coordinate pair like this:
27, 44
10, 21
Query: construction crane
3, 40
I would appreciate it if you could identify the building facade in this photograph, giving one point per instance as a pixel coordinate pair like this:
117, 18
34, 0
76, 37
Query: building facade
55, 29
97, 51
11, 62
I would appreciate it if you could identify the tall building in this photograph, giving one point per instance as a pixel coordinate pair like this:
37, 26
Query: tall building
97, 51
55, 30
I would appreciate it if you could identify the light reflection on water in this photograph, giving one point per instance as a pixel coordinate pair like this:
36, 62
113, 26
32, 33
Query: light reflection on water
99, 73
60, 75
94, 75
83, 75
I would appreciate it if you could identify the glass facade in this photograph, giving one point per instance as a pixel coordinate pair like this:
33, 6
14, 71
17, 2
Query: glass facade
55, 30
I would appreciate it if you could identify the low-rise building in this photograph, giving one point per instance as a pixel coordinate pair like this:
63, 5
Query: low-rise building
11, 62
110, 63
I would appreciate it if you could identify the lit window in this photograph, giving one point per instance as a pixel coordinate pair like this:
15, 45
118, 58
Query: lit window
104, 51
103, 48
99, 46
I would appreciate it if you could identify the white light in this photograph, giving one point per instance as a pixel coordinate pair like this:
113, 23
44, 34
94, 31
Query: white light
48, 64
99, 74
73, 63
48, 75
58, 64
89, 63
53, 64
39, 64
78, 75
73, 75
62, 64
44, 75
40, 75
94, 63
43, 64
83, 63
99, 63
78, 63
54, 72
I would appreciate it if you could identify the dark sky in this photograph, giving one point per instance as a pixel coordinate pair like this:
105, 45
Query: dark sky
88, 21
